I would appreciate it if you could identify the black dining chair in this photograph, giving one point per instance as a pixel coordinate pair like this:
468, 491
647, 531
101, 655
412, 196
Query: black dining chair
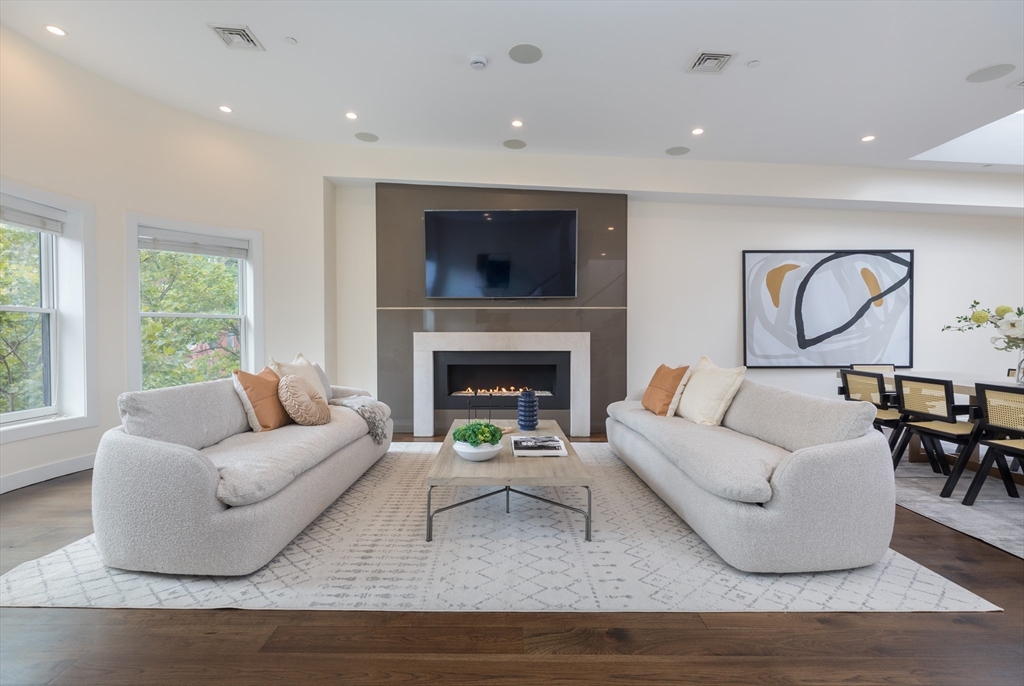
870, 387
931, 413
1001, 433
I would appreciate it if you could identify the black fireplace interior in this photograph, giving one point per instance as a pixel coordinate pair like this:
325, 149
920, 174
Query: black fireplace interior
491, 378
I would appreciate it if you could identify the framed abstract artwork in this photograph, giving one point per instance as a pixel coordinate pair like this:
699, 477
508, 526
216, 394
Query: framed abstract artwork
820, 308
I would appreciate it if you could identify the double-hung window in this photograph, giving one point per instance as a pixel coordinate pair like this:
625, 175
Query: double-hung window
28, 309
195, 301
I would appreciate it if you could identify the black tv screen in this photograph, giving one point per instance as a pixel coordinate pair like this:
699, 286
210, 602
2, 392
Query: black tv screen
501, 253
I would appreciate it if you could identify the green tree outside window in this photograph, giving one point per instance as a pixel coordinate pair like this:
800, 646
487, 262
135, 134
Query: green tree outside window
181, 349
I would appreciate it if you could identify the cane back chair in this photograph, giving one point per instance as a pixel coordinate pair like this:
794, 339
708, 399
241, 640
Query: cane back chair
870, 387
929, 411
1001, 432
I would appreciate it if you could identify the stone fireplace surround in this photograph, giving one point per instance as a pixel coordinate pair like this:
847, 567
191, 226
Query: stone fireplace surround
426, 343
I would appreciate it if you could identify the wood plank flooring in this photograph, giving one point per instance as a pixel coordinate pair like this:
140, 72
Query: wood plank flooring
193, 647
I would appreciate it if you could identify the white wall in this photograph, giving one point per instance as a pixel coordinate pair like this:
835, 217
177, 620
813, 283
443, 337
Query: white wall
68, 131
64, 130
685, 284
357, 286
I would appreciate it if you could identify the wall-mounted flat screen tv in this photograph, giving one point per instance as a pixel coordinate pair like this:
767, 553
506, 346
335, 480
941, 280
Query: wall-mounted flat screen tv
500, 253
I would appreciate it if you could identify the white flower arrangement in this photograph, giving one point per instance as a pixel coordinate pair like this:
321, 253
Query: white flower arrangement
1008, 321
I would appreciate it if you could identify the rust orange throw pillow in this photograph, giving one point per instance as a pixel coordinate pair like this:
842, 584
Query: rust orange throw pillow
662, 394
258, 393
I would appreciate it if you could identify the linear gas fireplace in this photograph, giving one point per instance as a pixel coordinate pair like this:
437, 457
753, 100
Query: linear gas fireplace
494, 378
451, 368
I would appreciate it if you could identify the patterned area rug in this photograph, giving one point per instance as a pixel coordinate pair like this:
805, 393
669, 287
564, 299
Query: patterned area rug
995, 517
368, 552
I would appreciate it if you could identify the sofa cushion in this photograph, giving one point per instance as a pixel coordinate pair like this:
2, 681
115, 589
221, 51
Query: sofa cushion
666, 387
719, 460
794, 420
196, 415
255, 466
708, 392
258, 393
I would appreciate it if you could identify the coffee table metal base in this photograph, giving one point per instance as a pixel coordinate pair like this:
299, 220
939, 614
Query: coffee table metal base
507, 491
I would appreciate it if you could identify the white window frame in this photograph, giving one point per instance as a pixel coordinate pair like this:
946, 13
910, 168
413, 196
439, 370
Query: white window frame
250, 294
69, 293
47, 305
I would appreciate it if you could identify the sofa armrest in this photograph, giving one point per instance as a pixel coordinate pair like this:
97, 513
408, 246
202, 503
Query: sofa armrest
636, 395
347, 391
837, 492
148, 494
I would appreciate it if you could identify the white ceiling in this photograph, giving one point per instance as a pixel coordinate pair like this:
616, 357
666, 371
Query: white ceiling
612, 80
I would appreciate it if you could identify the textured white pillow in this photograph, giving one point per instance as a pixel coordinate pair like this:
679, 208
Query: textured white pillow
300, 367
301, 401
709, 392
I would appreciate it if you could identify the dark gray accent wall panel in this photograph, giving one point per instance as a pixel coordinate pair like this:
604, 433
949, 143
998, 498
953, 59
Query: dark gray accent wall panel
402, 306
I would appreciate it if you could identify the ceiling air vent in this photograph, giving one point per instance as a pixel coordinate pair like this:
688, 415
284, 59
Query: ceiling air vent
710, 62
237, 37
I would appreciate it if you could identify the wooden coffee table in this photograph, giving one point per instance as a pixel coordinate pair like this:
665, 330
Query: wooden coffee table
505, 471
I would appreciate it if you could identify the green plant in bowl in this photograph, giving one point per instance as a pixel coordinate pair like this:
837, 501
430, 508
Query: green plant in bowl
477, 433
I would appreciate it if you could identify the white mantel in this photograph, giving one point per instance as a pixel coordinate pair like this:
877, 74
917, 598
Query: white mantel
425, 343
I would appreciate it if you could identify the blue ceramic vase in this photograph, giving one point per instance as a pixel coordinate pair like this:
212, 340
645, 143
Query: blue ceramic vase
528, 410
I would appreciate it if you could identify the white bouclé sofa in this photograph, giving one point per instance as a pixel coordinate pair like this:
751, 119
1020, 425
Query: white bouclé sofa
184, 486
788, 483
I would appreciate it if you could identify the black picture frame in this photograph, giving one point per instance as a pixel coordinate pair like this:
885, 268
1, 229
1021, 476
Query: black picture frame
910, 284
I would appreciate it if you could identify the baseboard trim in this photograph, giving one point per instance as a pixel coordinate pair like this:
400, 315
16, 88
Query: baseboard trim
45, 472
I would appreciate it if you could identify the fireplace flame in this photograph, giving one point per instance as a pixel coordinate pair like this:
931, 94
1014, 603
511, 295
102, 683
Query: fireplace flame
511, 390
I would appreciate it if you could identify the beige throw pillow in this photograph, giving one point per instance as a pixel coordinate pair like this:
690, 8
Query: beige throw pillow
302, 402
258, 393
709, 392
300, 366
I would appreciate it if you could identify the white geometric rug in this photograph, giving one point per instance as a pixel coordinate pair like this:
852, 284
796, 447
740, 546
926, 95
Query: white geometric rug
367, 552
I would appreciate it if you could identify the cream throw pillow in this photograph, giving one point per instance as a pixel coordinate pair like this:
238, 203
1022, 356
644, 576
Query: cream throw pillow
709, 392
302, 402
300, 366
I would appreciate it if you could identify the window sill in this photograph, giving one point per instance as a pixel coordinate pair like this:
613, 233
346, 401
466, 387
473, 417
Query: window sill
34, 428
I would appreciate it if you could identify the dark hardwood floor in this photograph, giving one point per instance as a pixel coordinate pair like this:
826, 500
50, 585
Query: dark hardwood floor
83, 646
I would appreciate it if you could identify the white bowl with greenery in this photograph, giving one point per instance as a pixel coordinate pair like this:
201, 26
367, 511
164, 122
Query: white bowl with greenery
477, 441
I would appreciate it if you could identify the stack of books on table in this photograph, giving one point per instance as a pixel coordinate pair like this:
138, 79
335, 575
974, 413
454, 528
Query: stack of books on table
538, 446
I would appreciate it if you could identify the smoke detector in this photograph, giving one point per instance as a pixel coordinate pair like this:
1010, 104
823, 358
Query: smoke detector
237, 37
478, 62
709, 62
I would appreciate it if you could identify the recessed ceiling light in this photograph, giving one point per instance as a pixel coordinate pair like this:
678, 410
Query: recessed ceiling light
697, 132
225, 109
367, 137
676, 151
352, 115
516, 123
996, 71
514, 144
867, 139
604, 254
291, 41
754, 64
524, 53
56, 30
611, 228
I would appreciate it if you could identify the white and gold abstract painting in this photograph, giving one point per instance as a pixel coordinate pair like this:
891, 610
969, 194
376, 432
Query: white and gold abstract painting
828, 308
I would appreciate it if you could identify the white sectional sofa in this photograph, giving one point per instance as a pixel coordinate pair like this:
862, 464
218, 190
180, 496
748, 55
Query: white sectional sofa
185, 487
788, 483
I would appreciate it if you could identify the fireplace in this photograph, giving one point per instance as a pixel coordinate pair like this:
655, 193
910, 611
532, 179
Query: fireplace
494, 378
530, 356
